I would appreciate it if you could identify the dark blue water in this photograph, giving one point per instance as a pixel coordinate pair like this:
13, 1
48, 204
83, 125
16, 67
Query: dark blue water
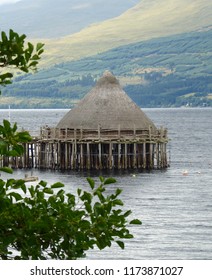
176, 209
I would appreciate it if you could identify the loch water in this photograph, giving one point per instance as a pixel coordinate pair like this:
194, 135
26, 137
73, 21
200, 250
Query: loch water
175, 205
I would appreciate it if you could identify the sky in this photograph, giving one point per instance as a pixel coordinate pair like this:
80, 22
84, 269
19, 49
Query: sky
8, 1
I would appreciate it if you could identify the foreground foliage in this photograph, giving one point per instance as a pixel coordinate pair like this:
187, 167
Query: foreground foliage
41, 222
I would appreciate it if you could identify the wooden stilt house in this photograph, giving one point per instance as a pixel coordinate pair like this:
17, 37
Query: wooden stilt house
106, 130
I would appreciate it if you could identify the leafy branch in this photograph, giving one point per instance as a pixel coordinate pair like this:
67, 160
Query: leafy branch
16, 53
42, 222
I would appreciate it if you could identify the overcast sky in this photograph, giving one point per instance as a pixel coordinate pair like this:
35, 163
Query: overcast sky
8, 1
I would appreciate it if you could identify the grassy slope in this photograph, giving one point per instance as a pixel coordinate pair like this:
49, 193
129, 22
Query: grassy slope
148, 19
41, 19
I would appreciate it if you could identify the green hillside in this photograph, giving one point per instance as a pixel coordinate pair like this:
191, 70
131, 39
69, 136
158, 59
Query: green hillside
169, 71
78, 28
46, 19
146, 20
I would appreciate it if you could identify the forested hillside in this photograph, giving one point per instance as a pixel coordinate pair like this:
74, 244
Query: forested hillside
164, 72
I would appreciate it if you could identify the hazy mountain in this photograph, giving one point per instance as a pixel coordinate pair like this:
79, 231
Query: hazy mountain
146, 20
51, 19
84, 28
159, 49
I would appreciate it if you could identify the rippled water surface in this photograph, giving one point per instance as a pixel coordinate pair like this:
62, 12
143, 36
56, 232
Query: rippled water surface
176, 210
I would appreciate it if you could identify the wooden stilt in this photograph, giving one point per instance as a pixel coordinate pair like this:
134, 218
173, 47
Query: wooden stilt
100, 155
125, 155
144, 155
81, 157
88, 163
119, 156
65, 149
134, 155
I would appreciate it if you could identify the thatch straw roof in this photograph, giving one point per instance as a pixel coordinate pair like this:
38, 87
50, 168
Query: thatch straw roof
106, 105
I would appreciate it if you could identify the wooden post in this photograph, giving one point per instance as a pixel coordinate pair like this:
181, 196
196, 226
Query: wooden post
110, 156
144, 155
81, 156
134, 155
31, 156
157, 155
75, 150
72, 155
119, 155
88, 163
125, 155
139, 156
150, 155
100, 156
162, 155
66, 153
27, 155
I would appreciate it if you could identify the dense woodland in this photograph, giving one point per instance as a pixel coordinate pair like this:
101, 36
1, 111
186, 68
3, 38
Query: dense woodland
167, 72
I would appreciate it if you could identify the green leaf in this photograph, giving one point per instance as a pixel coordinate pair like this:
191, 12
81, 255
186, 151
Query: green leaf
118, 202
48, 190
79, 191
98, 209
120, 243
6, 76
23, 187
57, 185
128, 236
17, 196
32, 64
71, 199
30, 48
61, 193
101, 179
18, 183
40, 52
86, 197
6, 170
35, 57
7, 125
109, 181
91, 182
39, 46
127, 213
43, 183
32, 191
88, 207
4, 37
135, 222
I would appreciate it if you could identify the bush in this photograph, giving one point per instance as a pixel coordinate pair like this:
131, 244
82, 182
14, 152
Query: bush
45, 222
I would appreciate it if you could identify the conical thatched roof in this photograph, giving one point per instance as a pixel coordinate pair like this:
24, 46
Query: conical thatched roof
106, 105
